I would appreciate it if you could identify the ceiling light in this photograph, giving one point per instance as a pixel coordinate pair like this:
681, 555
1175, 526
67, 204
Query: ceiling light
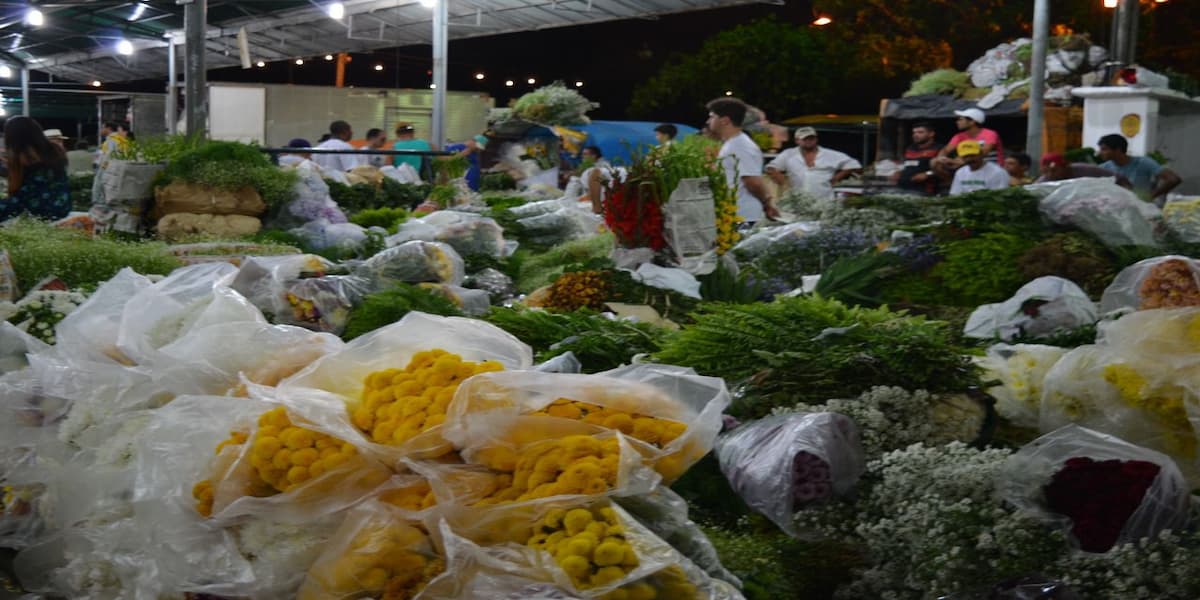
428, 3
125, 47
3, 112
260, 64
96, 83
328, 57
34, 17
1110, 3
137, 12
299, 61
336, 11
728, 92
5, 71
509, 83
433, 86
578, 84
531, 81
822, 20
378, 67
479, 76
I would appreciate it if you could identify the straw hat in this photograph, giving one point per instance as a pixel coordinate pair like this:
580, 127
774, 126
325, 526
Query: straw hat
55, 134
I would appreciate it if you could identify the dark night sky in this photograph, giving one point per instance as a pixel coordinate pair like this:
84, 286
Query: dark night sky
610, 58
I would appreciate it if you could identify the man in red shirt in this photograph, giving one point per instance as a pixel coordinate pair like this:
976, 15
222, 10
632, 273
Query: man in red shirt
970, 127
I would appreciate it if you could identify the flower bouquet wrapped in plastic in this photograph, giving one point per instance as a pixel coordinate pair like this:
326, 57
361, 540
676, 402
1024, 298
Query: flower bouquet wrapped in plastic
1160, 282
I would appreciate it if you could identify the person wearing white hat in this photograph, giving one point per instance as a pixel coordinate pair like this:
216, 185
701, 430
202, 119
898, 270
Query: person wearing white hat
970, 128
810, 167
56, 137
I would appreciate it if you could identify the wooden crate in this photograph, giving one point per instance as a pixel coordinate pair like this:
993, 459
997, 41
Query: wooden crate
1062, 128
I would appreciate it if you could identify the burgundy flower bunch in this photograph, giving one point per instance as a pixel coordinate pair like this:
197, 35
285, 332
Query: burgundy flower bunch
634, 225
1099, 497
811, 479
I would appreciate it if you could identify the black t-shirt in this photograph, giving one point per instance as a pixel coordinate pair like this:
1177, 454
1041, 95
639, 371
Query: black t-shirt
916, 160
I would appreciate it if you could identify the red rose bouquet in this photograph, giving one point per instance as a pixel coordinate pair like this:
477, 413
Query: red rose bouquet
1099, 496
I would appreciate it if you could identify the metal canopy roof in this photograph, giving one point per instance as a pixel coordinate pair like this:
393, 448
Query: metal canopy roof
78, 40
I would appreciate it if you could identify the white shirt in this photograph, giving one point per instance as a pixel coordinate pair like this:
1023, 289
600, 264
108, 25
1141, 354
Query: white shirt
816, 180
989, 177
740, 157
338, 162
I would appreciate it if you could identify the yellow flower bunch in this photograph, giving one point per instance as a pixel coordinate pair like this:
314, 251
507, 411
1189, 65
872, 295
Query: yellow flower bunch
574, 464
578, 289
399, 404
652, 430
414, 497
589, 545
15, 500
393, 562
727, 222
284, 455
304, 311
1164, 403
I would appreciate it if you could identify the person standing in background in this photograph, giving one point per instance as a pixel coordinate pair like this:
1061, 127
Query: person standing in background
665, 134
377, 140
406, 139
741, 159
340, 135
1149, 179
976, 174
918, 175
37, 173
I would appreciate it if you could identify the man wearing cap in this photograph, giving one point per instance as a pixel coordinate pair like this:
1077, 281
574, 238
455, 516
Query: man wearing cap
976, 174
406, 139
811, 168
57, 138
1055, 167
970, 127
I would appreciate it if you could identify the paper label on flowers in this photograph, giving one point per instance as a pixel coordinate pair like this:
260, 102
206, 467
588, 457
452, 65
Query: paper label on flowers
691, 224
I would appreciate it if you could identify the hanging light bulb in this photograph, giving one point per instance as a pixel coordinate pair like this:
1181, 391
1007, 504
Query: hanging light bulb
5, 71
260, 64
299, 61
479, 76
96, 83
336, 11
35, 17
378, 67
125, 47
509, 83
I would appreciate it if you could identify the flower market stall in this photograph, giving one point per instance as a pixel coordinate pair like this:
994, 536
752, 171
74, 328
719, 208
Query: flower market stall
394, 390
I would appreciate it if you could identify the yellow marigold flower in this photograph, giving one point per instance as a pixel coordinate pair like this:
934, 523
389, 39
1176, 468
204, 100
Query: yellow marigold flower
641, 591
607, 575
577, 567
609, 554
576, 520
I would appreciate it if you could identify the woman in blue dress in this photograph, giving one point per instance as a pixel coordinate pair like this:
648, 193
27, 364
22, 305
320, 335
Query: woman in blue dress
37, 173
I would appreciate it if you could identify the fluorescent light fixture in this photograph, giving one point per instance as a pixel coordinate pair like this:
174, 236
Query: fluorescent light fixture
509, 83
336, 11
378, 67
299, 61
138, 11
125, 47
35, 17
479, 76
96, 83
5, 71
578, 84
260, 64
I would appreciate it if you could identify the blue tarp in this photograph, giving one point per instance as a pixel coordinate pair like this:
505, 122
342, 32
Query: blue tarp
618, 139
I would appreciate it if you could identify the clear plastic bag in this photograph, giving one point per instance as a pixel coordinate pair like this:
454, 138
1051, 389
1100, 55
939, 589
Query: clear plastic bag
323, 303
89, 333
563, 225
15, 345
470, 302
780, 463
1041, 307
758, 242
321, 233
1026, 474
498, 285
665, 513
263, 280
414, 262
541, 207
671, 414
1183, 219
1161, 282
1115, 215
1020, 371
378, 549
1033, 587
469, 234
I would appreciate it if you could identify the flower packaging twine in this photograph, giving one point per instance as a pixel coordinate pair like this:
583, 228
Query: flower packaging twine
1025, 476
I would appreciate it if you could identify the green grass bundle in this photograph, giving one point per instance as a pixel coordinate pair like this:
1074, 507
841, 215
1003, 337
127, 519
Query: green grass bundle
774, 566
387, 218
231, 166
39, 250
497, 182
542, 269
942, 81
386, 307
982, 269
598, 342
809, 349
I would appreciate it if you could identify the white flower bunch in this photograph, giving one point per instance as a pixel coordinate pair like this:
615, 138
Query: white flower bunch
1152, 568
890, 417
1020, 369
1183, 219
281, 554
38, 312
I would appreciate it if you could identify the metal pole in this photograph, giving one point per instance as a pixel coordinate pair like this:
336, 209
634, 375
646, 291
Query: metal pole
25, 99
440, 30
172, 88
1122, 17
1037, 82
1131, 38
195, 17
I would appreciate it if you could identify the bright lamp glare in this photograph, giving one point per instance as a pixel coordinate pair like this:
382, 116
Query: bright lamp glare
578, 84
34, 17
822, 21
378, 67
96, 83
336, 11
1110, 3
299, 61
138, 11
531, 81
5, 71
479, 76
509, 83
260, 64
125, 47
429, 3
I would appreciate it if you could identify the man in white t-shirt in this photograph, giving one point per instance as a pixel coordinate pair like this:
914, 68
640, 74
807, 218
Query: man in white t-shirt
975, 174
741, 159
340, 134
811, 168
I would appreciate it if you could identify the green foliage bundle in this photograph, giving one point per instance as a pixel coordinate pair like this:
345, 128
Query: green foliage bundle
39, 250
386, 307
231, 166
364, 196
394, 194
1009, 210
982, 269
724, 285
443, 195
670, 304
451, 167
500, 203
1075, 256
81, 192
493, 182
774, 566
554, 104
542, 269
387, 218
599, 343
156, 149
809, 349
942, 81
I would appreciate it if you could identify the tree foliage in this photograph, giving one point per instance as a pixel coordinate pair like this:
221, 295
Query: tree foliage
779, 67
